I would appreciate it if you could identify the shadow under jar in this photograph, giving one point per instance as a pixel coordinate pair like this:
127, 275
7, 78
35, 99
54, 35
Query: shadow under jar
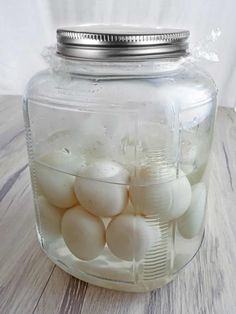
119, 130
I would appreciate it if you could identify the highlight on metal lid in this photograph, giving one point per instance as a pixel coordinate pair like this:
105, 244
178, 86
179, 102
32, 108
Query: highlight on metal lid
121, 43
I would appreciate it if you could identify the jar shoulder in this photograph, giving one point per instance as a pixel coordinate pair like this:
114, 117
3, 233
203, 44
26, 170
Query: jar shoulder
38, 82
186, 81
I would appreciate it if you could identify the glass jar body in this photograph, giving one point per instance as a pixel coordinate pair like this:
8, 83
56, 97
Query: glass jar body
118, 154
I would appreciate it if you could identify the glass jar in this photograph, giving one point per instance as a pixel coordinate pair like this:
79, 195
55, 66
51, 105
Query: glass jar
119, 130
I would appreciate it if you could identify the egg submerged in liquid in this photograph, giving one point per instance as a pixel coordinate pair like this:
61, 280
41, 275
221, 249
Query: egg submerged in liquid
189, 225
54, 180
101, 188
50, 219
129, 237
83, 233
160, 193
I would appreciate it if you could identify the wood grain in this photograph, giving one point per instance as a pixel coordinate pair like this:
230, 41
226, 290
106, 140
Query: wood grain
30, 283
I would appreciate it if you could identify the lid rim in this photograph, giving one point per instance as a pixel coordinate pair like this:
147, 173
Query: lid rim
77, 43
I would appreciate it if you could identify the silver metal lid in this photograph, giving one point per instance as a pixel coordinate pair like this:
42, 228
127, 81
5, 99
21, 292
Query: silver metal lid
121, 43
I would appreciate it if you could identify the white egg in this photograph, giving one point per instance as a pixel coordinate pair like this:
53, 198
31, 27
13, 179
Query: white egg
129, 237
160, 193
101, 188
50, 219
83, 233
189, 225
57, 186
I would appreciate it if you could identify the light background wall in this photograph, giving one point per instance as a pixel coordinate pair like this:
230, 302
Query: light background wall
26, 26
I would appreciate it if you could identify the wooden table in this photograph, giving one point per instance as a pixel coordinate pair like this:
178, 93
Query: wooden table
31, 283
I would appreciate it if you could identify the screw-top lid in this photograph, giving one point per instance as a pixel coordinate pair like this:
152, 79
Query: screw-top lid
121, 43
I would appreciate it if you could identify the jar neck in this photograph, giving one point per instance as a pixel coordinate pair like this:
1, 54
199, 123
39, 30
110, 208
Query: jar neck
65, 65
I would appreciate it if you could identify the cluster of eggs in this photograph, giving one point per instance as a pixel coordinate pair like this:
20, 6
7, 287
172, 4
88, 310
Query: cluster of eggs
77, 206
